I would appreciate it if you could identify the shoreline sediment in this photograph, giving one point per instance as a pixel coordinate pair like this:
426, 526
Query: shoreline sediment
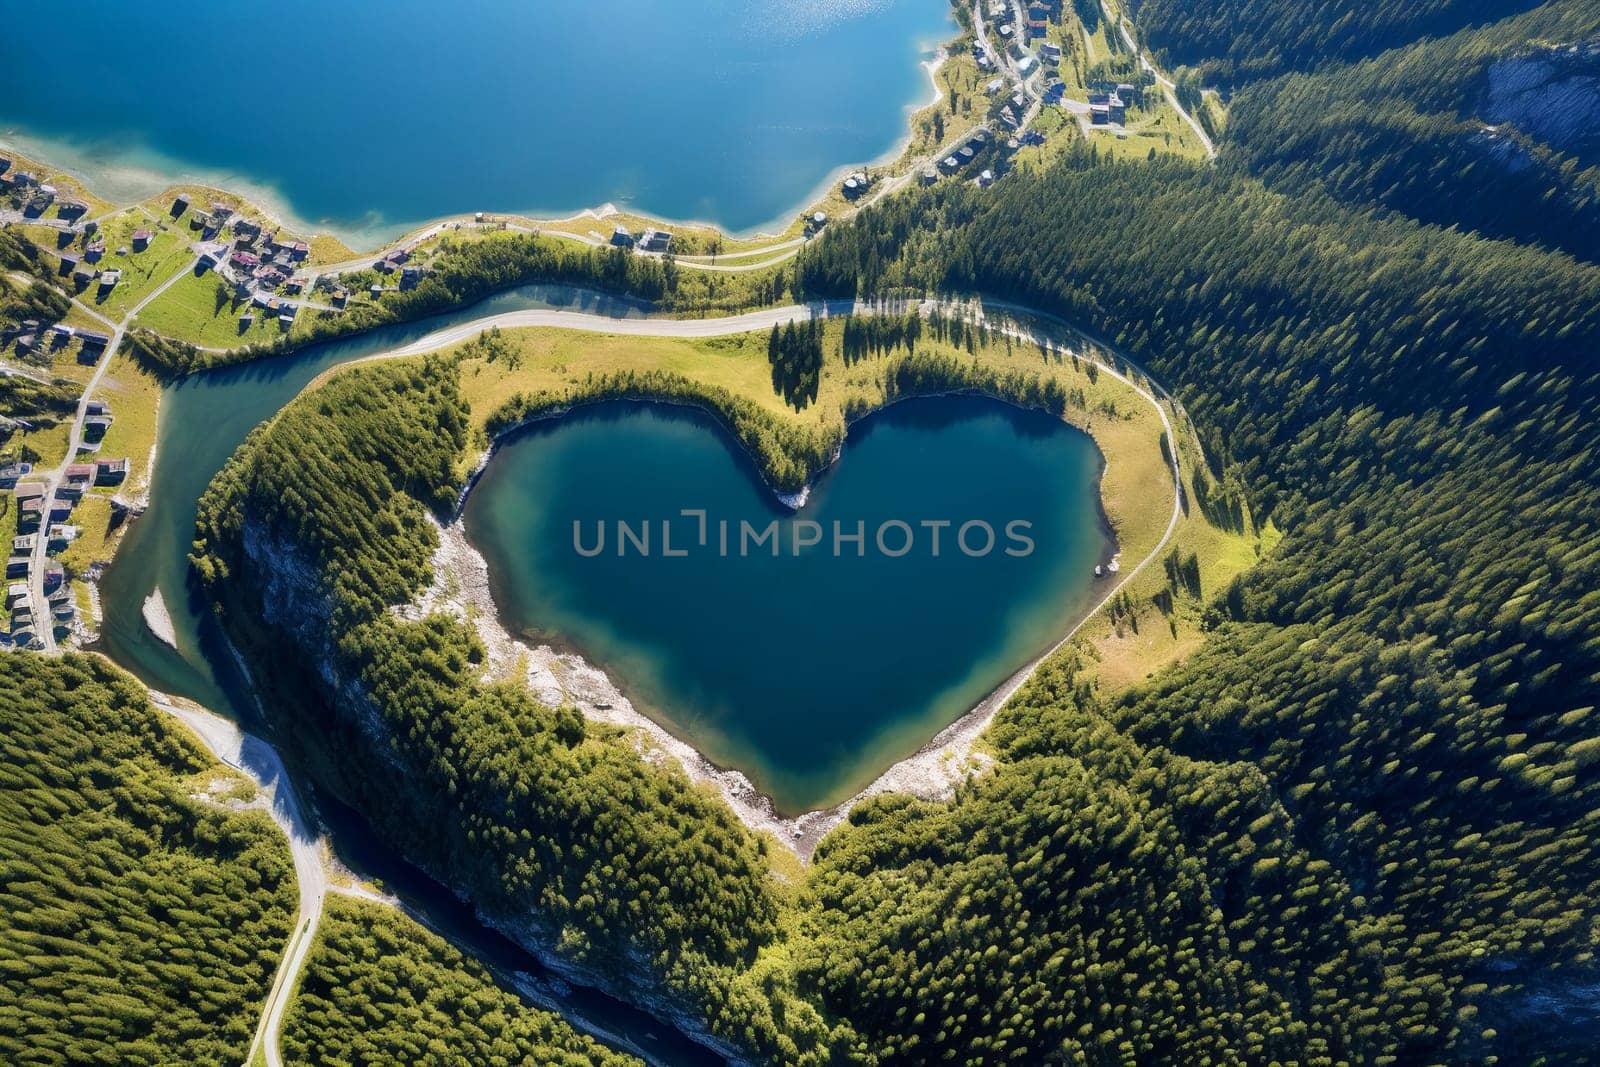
932, 771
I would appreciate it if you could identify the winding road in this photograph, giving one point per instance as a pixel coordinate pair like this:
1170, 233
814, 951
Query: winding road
1168, 88
257, 759
44, 622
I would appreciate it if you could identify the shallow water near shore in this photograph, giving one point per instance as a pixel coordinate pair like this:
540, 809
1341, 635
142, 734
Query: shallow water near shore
361, 121
203, 418
814, 670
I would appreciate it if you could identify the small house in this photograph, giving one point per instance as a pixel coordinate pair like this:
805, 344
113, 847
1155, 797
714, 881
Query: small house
110, 471
69, 263
622, 237
18, 566
655, 241
93, 339
141, 240
109, 279
95, 427
1099, 114
180, 204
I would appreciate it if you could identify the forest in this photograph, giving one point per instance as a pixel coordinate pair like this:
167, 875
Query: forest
1356, 824
142, 919
1234, 41
1422, 131
437, 1006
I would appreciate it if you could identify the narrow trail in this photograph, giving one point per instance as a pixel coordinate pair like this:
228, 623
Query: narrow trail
1168, 87
256, 758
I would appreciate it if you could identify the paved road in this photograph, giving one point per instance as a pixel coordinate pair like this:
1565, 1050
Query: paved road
1167, 86
248, 753
587, 322
44, 622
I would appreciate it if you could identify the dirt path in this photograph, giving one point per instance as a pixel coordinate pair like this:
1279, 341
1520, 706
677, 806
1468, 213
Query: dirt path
259, 760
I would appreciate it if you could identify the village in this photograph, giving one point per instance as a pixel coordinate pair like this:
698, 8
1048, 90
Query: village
38, 588
1038, 70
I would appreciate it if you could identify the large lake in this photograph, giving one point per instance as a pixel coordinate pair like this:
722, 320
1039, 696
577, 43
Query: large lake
814, 670
362, 118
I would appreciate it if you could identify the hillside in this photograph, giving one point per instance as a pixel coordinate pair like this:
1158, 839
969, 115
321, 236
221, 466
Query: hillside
1491, 129
143, 907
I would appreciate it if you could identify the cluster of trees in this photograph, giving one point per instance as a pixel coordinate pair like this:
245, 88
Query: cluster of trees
873, 335
931, 373
787, 455
316, 527
37, 298
1234, 41
380, 988
32, 402
1357, 825
1408, 131
795, 355
141, 924
1383, 761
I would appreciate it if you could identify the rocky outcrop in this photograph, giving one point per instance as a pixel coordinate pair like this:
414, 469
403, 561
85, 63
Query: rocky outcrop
289, 597
1553, 95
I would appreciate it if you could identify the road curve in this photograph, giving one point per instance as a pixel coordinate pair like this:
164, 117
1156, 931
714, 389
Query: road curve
588, 322
259, 760
1052, 332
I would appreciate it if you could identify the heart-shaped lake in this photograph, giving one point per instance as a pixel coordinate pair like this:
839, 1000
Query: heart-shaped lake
813, 669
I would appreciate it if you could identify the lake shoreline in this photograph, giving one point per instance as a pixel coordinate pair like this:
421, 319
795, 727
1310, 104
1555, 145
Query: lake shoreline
141, 177
558, 671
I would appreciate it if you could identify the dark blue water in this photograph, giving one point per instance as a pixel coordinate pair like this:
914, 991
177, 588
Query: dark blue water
814, 670
364, 117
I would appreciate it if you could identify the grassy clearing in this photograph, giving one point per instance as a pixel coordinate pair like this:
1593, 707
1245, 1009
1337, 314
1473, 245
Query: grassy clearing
1147, 635
1127, 430
142, 272
44, 447
194, 310
97, 536
135, 397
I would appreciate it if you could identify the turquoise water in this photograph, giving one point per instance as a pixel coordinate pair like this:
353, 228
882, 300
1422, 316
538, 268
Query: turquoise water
813, 671
203, 419
361, 117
